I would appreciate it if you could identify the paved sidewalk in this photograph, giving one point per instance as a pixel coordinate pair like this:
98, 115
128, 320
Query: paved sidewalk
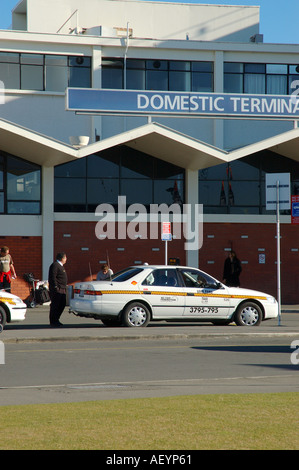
36, 328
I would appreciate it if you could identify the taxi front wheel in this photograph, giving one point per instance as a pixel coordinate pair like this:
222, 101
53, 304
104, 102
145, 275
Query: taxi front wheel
248, 314
136, 314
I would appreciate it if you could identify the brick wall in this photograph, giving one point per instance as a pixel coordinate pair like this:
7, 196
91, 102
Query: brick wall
250, 241
85, 251
26, 253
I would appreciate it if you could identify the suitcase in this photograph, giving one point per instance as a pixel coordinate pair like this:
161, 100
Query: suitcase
42, 295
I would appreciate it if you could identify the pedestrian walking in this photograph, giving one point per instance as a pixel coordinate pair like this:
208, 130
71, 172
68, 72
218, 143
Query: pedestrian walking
57, 289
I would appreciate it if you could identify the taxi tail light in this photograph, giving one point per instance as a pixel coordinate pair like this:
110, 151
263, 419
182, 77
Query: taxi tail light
88, 292
92, 292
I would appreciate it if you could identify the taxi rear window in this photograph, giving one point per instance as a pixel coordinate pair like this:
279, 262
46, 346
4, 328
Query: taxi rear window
125, 274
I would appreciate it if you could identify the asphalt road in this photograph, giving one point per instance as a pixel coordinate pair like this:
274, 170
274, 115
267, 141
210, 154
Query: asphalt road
36, 328
85, 360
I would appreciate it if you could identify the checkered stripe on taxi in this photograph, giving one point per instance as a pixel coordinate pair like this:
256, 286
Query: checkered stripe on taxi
174, 293
7, 300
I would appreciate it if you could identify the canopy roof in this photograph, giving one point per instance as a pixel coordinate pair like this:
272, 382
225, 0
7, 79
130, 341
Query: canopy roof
152, 139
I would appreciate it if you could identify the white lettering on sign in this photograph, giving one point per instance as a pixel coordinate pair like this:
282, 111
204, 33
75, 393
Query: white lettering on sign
201, 103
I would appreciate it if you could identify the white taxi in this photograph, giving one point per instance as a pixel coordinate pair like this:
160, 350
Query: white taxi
12, 308
138, 295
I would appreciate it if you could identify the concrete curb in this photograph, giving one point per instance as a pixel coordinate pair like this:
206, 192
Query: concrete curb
36, 328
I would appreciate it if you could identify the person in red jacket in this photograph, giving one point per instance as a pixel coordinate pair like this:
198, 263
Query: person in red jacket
7, 270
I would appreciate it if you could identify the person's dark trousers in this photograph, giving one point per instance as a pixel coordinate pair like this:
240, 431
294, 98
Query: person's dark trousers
58, 303
5, 285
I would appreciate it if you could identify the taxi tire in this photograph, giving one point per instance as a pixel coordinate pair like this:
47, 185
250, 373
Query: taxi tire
136, 315
248, 314
2, 317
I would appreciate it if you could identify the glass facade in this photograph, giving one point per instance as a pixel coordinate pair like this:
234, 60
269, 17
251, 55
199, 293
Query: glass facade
254, 78
167, 75
230, 188
82, 185
42, 72
238, 187
20, 186
50, 72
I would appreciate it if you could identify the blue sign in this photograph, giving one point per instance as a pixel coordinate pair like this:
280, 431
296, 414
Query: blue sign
166, 237
295, 209
89, 100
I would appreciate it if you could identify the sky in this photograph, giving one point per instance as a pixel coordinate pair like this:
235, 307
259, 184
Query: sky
278, 19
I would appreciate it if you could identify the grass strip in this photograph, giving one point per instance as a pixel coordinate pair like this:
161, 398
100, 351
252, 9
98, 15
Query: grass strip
228, 421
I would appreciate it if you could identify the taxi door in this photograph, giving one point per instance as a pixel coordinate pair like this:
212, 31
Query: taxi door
205, 298
163, 291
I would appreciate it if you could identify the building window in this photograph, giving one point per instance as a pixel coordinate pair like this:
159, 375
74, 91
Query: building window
271, 79
238, 187
167, 75
44, 72
56, 73
20, 186
32, 71
112, 73
79, 69
102, 177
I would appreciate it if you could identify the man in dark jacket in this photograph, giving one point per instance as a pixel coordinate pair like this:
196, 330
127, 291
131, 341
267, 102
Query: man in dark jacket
57, 289
232, 270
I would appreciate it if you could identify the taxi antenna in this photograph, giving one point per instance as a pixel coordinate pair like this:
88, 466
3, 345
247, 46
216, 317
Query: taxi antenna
108, 262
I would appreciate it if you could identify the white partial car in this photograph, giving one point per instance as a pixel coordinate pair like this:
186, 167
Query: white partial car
12, 308
138, 295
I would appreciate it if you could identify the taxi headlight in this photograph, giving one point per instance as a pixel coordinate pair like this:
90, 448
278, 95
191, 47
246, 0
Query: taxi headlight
271, 299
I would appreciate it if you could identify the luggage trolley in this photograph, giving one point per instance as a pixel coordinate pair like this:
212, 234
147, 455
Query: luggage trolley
39, 293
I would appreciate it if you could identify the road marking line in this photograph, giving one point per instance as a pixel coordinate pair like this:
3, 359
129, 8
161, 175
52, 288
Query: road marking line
145, 382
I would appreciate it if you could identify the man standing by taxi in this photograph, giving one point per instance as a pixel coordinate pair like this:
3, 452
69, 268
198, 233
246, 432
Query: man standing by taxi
57, 289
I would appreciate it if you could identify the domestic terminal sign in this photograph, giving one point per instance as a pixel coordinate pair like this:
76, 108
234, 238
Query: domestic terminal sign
105, 101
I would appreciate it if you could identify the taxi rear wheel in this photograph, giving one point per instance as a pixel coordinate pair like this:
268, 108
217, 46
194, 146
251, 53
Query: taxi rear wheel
248, 314
2, 317
136, 314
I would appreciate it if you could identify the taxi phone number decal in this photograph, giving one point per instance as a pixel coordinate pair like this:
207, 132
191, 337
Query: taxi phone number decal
203, 310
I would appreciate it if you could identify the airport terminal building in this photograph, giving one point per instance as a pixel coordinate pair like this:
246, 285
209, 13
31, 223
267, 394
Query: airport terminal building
217, 112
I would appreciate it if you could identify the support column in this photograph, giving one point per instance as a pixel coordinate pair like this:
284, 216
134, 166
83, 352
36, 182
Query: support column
192, 200
47, 219
96, 121
218, 124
